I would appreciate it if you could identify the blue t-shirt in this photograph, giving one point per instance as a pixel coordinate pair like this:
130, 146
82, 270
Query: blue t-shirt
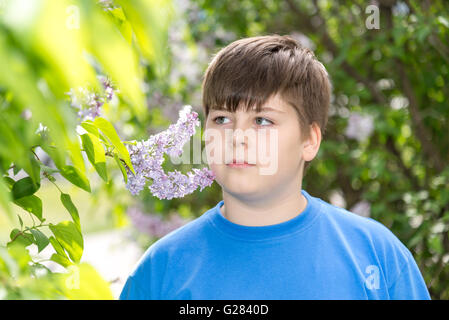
325, 252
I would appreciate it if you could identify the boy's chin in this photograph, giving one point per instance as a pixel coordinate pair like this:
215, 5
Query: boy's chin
240, 186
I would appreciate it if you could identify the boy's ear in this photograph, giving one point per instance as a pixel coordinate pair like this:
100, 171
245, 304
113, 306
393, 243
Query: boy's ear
312, 144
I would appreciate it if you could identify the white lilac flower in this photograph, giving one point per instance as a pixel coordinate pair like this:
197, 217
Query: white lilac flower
42, 130
147, 158
107, 4
362, 208
359, 126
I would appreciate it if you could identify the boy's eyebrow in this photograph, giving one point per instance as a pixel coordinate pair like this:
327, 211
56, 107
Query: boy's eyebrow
271, 109
261, 110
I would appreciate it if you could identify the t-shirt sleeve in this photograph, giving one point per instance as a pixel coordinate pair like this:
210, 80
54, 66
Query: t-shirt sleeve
145, 280
409, 285
132, 291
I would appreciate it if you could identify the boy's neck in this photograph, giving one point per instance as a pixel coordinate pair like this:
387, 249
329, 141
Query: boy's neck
269, 212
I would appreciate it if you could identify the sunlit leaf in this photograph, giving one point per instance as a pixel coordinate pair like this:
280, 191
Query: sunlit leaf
95, 153
32, 204
68, 204
108, 129
76, 177
70, 239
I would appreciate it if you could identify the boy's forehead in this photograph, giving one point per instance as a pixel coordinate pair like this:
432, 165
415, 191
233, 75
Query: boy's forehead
274, 103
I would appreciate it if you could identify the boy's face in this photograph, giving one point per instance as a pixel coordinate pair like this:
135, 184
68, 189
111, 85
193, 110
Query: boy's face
270, 141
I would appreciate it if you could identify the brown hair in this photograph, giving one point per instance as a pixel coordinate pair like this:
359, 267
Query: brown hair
251, 70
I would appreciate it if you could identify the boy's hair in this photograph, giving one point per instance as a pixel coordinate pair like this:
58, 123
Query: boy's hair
250, 70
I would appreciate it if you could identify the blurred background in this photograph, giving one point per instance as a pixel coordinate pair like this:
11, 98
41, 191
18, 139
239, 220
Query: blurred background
384, 154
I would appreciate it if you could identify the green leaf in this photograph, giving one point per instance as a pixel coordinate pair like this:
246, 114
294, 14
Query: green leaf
76, 177
108, 129
5, 196
24, 187
9, 182
35, 169
70, 239
41, 239
57, 246
123, 24
118, 59
423, 32
20, 221
10, 266
122, 167
68, 204
96, 154
32, 204
25, 239
102, 171
88, 147
89, 126
149, 21
435, 244
16, 169
31, 166
55, 154
60, 259
21, 256
100, 156
74, 150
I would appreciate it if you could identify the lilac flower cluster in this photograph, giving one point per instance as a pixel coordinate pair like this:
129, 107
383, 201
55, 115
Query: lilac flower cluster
107, 4
153, 224
147, 158
89, 103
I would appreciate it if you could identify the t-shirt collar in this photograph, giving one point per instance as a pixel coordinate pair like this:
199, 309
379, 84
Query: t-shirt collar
298, 223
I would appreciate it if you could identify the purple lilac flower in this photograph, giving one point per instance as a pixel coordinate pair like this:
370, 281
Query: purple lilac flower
147, 158
89, 103
153, 224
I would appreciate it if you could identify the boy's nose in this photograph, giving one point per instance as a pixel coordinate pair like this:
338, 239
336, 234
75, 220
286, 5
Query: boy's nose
243, 135
239, 138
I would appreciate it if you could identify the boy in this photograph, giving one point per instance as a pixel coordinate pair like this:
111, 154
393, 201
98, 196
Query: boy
268, 238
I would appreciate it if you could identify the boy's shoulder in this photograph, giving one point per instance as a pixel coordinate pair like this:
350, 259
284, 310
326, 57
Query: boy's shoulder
181, 240
355, 222
361, 228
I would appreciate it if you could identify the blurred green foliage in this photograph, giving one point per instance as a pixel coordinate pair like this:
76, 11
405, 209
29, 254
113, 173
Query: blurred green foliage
48, 48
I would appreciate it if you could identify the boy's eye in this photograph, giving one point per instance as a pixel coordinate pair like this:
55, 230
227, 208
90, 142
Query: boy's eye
257, 120
218, 118
270, 122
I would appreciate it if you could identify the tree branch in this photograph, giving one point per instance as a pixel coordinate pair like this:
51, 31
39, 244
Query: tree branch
422, 133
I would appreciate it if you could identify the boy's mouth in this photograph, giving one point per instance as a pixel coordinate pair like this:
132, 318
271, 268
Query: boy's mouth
239, 164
